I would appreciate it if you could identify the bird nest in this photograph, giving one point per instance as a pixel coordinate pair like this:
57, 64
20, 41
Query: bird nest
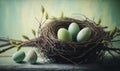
74, 52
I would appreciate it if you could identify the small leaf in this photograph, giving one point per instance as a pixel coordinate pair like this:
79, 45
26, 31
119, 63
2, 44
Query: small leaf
105, 41
66, 17
19, 47
98, 22
113, 31
18, 43
46, 15
13, 42
25, 37
62, 14
33, 31
53, 18
42, 9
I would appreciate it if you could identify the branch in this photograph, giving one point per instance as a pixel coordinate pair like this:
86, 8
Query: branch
8, 40
29, 43
4, 39
115, 40
6, 44
3, 50
118, 30
116, 35
105, 27
112, 49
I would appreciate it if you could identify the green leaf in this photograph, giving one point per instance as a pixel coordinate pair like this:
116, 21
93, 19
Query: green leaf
18, 43
113, 31
33, 32
25, 37
13, 42
62, 14
46, 15
53, 18
98, 22
42, 9
105, 41
19, 47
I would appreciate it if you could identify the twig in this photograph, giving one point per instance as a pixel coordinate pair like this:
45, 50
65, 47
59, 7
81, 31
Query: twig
115, 40
30, 43
118, 30
4, 40
118, 52
87, 51
111, 53
68, 59
39, 28
107, 48
105, 27
3, 50
114, 58
116, 35
44, 21
7, 40
6, 44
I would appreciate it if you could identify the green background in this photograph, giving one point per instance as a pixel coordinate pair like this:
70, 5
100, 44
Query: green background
17, 17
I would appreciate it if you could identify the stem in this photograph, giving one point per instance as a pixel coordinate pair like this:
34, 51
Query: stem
105, 27
44, 21
116, 35
41, 18
3, 50
118, 30
113, 49
30, 43
114, 58
8, 40
6, 44
115, 40
4, 40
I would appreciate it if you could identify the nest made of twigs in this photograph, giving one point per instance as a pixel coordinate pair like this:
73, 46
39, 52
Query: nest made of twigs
72, 52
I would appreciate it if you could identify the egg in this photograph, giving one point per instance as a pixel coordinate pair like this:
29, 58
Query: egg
84, 34
31, 57
64, 35
73, 29
18, 56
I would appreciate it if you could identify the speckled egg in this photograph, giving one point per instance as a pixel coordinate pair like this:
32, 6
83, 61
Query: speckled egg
31, 57
74, 29
84, 34
64, 35
18, 56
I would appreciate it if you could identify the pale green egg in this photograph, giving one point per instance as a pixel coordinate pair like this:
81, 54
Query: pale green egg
31, 57
74, 29
18, 56
64, 35
84, 34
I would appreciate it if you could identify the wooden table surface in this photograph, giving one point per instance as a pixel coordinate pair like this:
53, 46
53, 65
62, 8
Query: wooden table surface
7, 64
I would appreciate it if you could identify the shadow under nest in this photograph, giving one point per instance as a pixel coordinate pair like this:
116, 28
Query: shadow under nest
73, 52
